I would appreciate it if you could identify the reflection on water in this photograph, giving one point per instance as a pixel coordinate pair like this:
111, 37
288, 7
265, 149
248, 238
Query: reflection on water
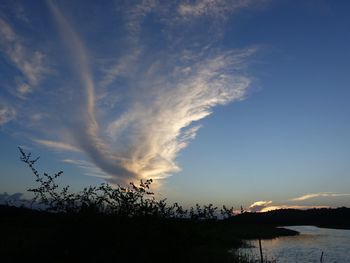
308, 246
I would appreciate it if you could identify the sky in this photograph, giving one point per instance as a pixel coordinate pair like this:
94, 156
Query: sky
236, 102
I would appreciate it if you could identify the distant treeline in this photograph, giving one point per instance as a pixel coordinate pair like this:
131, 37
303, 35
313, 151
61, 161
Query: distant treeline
323, 217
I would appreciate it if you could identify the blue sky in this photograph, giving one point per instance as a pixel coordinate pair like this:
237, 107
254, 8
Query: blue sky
220, 101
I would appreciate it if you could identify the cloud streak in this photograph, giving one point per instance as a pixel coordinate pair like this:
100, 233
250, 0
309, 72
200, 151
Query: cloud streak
86, 131
7, 113
265, 206
90, 169
301, 207
57, 145
30, 63
212, 7
316, 195
259, 206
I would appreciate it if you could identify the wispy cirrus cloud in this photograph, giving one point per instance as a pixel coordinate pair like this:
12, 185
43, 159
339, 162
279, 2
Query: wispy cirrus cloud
7, 113
158, 87
259, 206
57, 145
162, 104
89, 168
14, 9
265, 206
213, 7
30, 63
301, 207
316, 195
157, 131
86, 132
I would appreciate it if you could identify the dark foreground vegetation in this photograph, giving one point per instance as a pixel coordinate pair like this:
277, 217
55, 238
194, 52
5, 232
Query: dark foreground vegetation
127, 224
321, 217
58, 237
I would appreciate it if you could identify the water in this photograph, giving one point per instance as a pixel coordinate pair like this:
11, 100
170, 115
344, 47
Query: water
308, 246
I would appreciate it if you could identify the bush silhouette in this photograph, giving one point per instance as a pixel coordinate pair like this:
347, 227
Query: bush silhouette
123, 201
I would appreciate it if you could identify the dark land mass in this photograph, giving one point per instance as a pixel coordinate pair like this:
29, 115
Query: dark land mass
321, 217
55, 237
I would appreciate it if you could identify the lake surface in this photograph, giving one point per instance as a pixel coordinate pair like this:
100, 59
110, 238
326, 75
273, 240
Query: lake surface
308, 246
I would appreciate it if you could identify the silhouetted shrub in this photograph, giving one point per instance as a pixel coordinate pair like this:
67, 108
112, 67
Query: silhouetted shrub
124, 201
207, 212
227, 213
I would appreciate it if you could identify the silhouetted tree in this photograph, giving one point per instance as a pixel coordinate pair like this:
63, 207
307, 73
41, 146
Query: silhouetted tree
226, 212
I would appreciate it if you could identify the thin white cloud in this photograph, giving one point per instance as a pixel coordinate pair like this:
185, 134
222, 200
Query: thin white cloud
14, 10
30, 63
121, 68
87, 131
89, 168
213, 7
23, 89
265, 206
37, 117
19, 12
260, 203
135, 14
301, 207
316, 195
7, 113
259, 206
57, 145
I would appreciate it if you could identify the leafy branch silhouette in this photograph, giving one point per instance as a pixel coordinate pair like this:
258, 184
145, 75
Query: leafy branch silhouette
123, 201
